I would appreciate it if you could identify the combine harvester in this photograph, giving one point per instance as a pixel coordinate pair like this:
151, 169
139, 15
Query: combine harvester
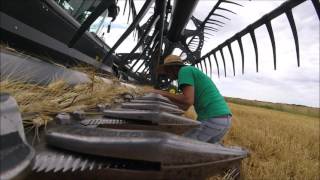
136, 139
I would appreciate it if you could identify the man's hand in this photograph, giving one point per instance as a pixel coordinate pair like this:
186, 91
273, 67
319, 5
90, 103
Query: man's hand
188, 93
184, 100
156, 91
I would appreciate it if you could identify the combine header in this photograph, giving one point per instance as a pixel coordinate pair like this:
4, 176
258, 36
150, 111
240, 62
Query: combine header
137, 139
133, 144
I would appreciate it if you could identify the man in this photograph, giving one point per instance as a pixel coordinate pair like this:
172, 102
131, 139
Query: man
198, 90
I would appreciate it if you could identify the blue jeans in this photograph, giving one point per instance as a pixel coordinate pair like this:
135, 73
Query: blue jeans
211, 130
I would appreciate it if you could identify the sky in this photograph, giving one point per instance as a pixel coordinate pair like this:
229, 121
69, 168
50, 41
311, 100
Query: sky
288, 84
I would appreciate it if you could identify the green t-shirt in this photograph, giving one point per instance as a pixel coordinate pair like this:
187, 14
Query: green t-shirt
208, 101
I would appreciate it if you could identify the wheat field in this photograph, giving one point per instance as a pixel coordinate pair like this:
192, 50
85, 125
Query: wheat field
282, 145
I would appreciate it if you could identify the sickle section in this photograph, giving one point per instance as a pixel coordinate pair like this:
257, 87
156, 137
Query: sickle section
224, 62
254, 41
210, 66
217, 64
294, 33
242, 53
224, 9
214, 20
219, 15
205, 65
271, 35
230, 2
130, 4
316, 5
210, 22
201, 66
211, 28
232, 59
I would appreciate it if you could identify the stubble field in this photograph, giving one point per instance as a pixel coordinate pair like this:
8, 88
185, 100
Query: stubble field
282, 145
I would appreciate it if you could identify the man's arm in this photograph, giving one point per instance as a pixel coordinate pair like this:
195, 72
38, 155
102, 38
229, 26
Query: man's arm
184, 100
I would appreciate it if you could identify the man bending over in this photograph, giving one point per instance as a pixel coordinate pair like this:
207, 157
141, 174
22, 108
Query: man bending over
198, 90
